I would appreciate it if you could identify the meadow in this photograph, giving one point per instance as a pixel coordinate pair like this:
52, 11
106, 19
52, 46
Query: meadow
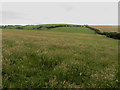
63, 57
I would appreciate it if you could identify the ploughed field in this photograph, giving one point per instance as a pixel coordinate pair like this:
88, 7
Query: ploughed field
105, 28
63, 57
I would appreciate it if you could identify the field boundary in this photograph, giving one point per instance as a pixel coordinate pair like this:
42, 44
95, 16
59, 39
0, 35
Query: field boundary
113, 35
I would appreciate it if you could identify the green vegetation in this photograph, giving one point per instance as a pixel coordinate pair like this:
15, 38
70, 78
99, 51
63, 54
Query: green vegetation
39, 27
109, 33
82, 30
64, 57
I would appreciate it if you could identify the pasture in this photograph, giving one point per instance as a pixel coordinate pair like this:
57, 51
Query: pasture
64, 57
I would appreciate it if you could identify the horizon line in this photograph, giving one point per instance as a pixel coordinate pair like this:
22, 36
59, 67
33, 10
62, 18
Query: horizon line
64, 23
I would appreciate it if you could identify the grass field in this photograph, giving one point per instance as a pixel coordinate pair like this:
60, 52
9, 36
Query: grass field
105, 28
81, 30
66, 57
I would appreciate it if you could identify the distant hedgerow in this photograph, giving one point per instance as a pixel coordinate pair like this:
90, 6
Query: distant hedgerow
114, 35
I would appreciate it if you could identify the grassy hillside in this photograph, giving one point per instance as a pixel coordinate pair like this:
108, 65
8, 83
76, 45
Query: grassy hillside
109, 31
39, 27
64, 57
82, 30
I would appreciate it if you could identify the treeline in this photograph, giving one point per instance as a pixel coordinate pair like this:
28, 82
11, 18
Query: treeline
114, 35
38, 27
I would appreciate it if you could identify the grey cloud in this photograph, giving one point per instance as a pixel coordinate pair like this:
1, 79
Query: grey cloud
80, 13
10, 15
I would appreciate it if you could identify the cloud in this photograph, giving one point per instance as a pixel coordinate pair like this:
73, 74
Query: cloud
81, 13
68, 7
10, 15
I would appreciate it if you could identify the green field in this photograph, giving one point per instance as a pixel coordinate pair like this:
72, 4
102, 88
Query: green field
81, 30
64, 57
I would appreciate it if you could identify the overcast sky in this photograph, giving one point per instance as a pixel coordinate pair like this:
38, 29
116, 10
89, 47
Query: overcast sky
60, 12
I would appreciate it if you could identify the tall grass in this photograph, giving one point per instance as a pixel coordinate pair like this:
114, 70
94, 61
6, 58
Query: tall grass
48, 59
